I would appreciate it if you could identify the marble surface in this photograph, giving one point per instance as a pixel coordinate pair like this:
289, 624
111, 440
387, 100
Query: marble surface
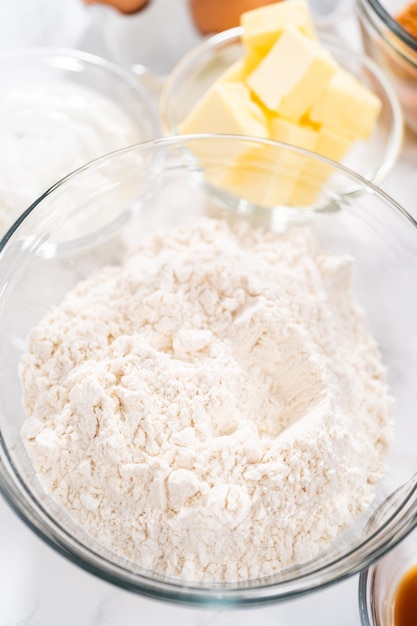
38, 587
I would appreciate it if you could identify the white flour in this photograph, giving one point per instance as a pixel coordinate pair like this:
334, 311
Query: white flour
215, 409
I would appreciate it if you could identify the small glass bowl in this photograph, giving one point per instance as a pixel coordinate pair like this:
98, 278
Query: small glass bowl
61, 108
192, 76
163, 187
393, 49
378, 583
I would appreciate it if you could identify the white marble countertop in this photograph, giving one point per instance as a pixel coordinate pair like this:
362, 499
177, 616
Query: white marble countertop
38, 587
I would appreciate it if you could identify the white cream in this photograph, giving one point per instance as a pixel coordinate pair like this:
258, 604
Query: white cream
48, 131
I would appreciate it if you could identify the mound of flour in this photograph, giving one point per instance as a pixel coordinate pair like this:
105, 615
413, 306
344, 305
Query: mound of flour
215, 409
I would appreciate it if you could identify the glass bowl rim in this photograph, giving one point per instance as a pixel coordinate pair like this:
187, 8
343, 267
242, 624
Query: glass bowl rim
394, 26
365, 579
33, 514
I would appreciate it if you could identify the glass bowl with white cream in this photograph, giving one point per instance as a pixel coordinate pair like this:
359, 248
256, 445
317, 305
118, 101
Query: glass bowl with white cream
210, 405
59, 109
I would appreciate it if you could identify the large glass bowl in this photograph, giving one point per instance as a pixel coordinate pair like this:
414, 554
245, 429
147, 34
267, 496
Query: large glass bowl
201, 67
392, 48
163, 184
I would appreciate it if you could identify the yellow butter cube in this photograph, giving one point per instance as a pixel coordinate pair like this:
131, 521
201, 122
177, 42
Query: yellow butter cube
267, 176
293, 75
347, 106
298, 135
226, 108
263, 176
331, 144
315, 173
264, 25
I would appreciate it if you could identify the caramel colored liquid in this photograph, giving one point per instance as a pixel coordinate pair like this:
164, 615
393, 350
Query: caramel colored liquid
405, 600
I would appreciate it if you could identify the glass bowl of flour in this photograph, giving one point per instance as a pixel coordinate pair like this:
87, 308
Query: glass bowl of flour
59, 109
210, 405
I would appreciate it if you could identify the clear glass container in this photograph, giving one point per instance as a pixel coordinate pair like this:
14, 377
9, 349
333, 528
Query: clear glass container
68, 107
378, 583
197, 70
393, 49
169, 183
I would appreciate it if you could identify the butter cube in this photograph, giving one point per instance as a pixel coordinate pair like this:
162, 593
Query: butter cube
315, 173
264, 25
293, 75
332, 145
267, 175
263, 176
347, 106
296, 135
226, 108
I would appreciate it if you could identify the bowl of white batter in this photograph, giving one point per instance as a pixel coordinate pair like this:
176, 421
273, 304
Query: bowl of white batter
210, 406
59, 109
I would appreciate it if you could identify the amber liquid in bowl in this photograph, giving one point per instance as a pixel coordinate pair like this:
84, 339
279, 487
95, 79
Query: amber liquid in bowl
404, 609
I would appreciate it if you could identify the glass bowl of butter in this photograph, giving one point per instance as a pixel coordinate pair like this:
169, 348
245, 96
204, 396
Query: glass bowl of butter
210, 406
277, 77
